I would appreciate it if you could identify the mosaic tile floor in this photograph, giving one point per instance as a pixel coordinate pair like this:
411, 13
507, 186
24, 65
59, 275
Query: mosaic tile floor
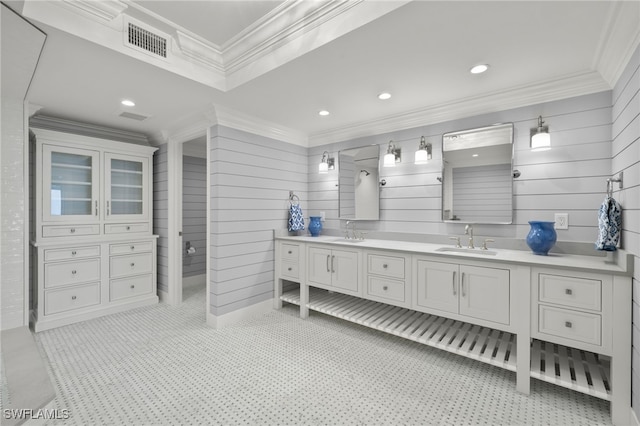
162, 365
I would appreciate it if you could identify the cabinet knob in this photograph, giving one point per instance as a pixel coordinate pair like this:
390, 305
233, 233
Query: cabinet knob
72, 230
385, 266
73, 253
133, 247
133, 264
385, 288
128, 228
568, 324
289, 268
73, 272
568, 291
73, 298
133, 286
289, 252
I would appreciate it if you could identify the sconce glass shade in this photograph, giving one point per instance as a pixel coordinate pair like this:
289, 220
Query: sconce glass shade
423, 154
392, 156
326, 163
323, 167
540, 137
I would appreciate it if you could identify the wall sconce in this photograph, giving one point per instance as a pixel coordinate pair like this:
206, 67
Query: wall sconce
327, 163
423, 154
540, 137
392, 156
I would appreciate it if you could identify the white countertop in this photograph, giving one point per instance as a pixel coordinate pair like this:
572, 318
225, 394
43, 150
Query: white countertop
618, 262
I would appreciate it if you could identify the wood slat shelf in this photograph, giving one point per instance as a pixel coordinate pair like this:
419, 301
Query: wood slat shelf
581, 371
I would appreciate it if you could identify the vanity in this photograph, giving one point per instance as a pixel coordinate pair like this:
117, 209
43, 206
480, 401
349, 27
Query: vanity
564, 319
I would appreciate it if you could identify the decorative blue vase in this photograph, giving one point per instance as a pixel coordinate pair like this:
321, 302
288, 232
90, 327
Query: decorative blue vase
541, 237
315, 225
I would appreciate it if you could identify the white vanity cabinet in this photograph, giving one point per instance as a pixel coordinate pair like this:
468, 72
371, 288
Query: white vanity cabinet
93, 251
474, 292
334, 269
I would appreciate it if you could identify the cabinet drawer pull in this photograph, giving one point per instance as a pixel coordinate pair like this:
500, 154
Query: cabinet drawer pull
73, 253
464, 293
133, 286
568, 324
133, 248
332, 259
385, 266
385, 288
289, 252
328, 269
74, 272
128, 228
72, 230
73, 298
453, 282
289, 269
133, 264
568, 291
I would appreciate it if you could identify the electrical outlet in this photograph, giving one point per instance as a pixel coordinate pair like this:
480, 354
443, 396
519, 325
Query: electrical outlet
322, 216
561, 221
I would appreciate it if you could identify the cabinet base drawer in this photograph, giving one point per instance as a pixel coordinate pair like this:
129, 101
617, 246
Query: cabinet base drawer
63, 273
388, 266
290, 270
126, 228
575, 325
130, 287
391, 290
70, 231
290, 252
121, 266
135, 247
71, 253
70, 298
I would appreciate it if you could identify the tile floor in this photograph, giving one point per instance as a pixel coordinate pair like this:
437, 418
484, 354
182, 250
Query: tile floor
162, 365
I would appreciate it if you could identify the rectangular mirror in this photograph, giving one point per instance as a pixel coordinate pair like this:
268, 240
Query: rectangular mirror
477, 175
359, 190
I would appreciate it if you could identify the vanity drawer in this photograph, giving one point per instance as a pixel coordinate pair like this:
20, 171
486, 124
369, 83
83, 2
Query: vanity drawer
63, 273
570, 291
290, 251
70, 298
387, 290
126, 228
122, 266
129, 248
71, 253
575, 325
388, 266
289, 269
70, 230
124, 288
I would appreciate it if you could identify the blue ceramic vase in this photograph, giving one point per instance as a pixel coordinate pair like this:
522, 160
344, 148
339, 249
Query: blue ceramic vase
541, 237
315, 225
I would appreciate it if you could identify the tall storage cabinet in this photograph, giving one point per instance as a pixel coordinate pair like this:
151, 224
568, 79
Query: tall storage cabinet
93, 251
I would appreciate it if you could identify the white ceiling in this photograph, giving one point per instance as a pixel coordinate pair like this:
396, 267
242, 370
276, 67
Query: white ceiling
335, 55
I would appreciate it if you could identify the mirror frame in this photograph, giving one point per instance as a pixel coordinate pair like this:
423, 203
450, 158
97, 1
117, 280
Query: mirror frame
508, 127
377, 184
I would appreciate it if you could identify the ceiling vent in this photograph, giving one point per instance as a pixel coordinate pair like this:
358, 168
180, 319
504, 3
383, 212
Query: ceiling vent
146, 40
133, 116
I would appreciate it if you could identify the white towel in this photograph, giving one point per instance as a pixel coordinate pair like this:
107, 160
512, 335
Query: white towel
609, 225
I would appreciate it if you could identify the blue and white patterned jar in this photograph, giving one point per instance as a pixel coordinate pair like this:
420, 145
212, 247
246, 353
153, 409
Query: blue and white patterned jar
542, 237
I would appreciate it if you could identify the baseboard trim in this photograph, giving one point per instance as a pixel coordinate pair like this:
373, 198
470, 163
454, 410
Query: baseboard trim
164, 296
234, 317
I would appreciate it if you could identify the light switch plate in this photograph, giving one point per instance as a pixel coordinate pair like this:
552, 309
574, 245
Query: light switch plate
561, 221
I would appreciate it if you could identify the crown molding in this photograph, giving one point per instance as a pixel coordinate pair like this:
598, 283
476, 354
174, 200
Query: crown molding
87, 129
105, 10
546, 91
619, 40
201, 51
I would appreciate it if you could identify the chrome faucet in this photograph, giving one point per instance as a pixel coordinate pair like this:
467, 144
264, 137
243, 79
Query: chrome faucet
468, 230
354, 235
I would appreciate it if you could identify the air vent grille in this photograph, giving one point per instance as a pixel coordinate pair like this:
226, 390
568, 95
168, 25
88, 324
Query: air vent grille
133, 116
147, 41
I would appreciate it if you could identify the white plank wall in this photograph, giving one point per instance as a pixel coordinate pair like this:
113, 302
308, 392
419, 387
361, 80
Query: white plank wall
194, 214
626, 158
570, 178
251, 177
160, 214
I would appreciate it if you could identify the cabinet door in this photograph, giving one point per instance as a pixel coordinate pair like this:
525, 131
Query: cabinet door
484, 293
126, 187
319, 266
437, 286
344, 270
70, 184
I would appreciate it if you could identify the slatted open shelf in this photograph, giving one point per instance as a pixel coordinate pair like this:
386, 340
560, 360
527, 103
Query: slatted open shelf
567, 367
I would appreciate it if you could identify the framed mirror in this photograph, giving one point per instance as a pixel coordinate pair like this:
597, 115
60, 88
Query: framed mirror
477, 175
359, 190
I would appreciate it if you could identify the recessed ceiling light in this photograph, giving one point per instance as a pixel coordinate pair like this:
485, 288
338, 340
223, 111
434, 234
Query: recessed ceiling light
384, 96
479, 69
323, 113
474, 155
127, 102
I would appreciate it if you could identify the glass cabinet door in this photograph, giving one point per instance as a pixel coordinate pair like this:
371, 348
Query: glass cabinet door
126, 187
71, 184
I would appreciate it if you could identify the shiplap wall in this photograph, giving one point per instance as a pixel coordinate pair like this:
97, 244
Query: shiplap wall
251, 177
194, 214
483, 192
570, 178
626, 158
161, 214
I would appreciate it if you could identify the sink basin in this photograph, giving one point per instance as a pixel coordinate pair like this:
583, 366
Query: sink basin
462, 250
344, 240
